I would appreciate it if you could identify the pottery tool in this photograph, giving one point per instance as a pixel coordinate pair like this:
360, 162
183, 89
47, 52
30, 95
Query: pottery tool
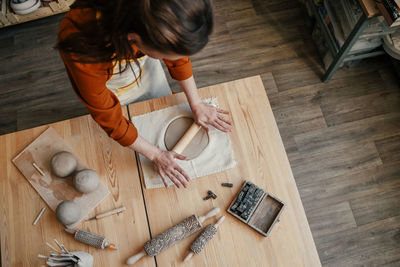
185, 228
73, 259
186, 138
107, 213
210, 194
38, 169
40, 215
203, 239
61, 246
91, 239
53, 248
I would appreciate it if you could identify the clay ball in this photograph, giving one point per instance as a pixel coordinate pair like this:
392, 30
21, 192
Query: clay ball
68, 212
63, 164
86, 181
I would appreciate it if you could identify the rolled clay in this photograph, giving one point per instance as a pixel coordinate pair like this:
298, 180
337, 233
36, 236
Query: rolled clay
86, 181
63, 164
177, 128
68, 212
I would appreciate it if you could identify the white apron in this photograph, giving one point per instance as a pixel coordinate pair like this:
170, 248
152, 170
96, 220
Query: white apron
135, 86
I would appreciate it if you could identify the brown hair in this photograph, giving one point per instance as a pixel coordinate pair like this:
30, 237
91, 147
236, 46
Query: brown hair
169, 26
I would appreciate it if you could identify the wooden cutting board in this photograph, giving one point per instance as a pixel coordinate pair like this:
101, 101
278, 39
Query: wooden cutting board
51, 188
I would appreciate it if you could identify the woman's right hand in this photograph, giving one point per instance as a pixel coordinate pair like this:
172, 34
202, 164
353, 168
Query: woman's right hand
166, 166
164, 162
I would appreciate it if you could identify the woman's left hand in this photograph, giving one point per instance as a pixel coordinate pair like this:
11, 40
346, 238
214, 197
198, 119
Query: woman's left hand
207, 114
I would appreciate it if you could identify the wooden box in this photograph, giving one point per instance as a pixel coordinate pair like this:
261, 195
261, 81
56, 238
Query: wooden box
265, 212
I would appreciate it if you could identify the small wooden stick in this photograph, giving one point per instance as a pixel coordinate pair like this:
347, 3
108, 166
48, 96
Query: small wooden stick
60, 246
64, 249
38, 169
107, 213
40, 215
53, 248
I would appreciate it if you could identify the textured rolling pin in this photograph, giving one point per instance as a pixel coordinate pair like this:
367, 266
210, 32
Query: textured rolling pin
185, 228
91, 239
186, 138
203, 239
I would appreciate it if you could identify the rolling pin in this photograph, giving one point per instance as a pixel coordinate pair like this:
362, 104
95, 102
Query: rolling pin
185, 228
203, 239
186, 138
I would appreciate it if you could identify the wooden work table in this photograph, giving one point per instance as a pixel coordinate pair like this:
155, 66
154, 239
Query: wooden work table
261, 159
21, 242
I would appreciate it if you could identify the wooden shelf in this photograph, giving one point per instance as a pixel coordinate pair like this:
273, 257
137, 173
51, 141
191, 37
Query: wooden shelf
8, 17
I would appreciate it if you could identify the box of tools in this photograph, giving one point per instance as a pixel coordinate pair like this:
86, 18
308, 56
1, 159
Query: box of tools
257, 208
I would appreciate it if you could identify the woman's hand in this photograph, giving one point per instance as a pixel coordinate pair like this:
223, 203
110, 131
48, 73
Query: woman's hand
207, 114
166, 166
163, 161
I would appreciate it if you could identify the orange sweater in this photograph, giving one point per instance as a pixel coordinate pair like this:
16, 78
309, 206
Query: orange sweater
89, 83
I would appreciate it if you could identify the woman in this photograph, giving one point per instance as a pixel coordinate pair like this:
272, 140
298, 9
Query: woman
111, 49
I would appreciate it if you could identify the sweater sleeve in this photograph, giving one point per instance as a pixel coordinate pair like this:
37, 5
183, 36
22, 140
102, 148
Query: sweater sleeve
179, 69
89, 83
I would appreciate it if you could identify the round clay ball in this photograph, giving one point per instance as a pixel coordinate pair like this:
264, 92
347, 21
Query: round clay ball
68, 212
86, 181
63, 164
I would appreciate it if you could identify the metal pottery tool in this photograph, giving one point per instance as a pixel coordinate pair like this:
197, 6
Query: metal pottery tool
186, 138
107, 213
203, 239
185, 228
91, 239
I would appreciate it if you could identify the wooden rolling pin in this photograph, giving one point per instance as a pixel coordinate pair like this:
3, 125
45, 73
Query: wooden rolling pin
185, 228
186, 138
203, 239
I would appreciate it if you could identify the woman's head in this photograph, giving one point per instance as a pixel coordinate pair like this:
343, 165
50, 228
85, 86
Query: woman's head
157, 27
174, 26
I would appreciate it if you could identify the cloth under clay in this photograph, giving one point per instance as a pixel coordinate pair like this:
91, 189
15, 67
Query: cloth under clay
216, 157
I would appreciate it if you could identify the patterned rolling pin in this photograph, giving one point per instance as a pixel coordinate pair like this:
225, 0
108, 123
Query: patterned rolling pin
203, 239
173, 235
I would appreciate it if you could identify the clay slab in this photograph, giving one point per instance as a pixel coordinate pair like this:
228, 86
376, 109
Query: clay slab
177, 128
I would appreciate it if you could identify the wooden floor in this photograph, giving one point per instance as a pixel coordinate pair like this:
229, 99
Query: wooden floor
342, 137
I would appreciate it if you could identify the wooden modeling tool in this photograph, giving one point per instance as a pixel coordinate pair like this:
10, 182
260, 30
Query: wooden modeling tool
107, 213
38, 169
203, 239
91, 239
186, 138
53, 248
40, 215
173, 235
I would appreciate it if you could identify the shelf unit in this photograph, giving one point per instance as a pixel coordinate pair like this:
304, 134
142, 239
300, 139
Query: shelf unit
8, 18
341, 52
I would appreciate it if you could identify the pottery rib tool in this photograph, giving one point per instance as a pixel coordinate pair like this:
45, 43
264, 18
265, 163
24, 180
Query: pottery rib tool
107, 213
40, 215
185, 228
186, 138
91, 239
203, 239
